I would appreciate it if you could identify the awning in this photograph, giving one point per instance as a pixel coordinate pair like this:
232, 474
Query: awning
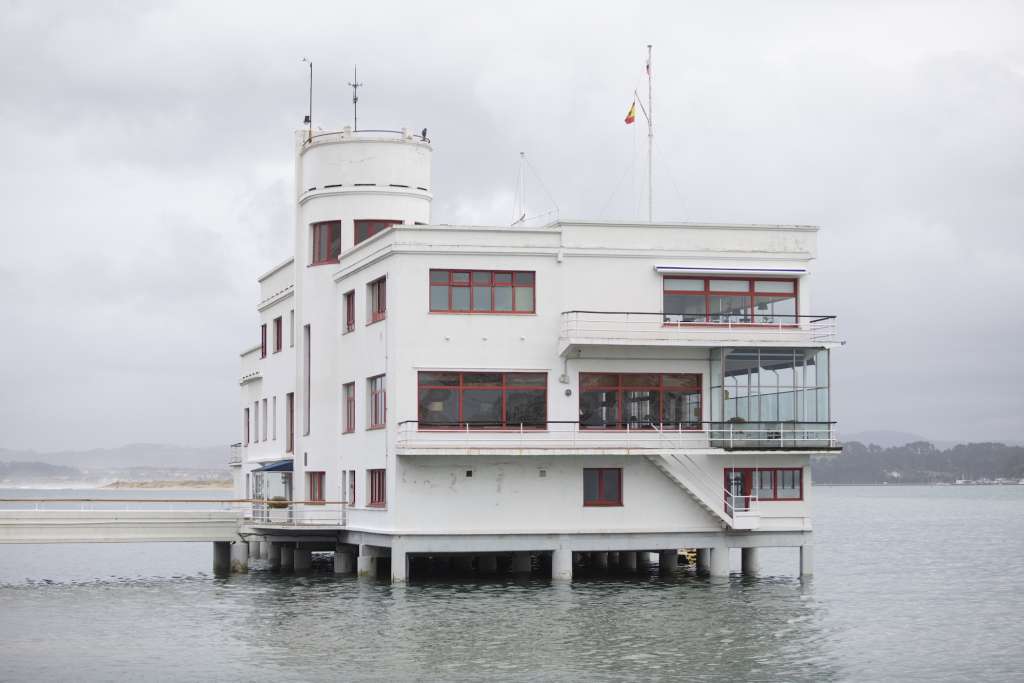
279, 466
701, 270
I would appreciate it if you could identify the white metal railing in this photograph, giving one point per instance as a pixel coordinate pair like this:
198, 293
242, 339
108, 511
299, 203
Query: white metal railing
235, 455
556, 435
667, 327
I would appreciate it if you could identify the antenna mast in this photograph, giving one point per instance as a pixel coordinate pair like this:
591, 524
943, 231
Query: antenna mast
309, 115
650, 143
355, 97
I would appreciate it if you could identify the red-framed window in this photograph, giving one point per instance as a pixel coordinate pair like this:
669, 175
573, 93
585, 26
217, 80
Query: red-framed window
315, 487
326, 242
378, 403
351, 500
367, 228
483, 399
377, 297
278, 333
263, 340
771, 483
602, 486
289, 422
350, 311
348, 399
735, 300
483, 291
377, 488
640, 400
245, 425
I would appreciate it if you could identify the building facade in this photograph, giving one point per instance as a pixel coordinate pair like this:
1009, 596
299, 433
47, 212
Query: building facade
585, 391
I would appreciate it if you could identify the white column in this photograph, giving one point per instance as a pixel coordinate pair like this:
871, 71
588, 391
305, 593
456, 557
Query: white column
344, 561
303, 561
668, 561
806, 560
561, 565
366, 563
264, 550
221, 557
487, 564
287, 557
613, 559
599, 560
749, 561
254, 550
239, 557
719, 566
703, 560
399, 563
643, 560
627, 560
274, 554
521, 563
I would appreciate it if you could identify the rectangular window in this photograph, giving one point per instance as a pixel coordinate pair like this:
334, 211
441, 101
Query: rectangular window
245, 425
602, 486
377, 481
265, 420
306, 377
378, 401
289, 425
753, 483
748, 301
365, 229
326, 242
639, 400
315, 487
291, 328
273, 423
348, 399
351, 487
256, 421
482, 291
350, 311
483, 399
377, 299
263, 340
278, 334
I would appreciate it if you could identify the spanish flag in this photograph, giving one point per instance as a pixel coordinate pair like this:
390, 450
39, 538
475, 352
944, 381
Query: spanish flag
631, 114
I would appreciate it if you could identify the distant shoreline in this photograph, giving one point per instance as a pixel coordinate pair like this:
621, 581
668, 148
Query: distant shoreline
183, 485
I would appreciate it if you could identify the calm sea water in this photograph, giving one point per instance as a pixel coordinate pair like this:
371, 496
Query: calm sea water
911, 583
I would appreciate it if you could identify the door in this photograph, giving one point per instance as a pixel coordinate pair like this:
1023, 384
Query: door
737, 487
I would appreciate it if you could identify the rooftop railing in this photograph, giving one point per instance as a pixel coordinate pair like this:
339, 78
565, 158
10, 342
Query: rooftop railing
565, 435
635, 327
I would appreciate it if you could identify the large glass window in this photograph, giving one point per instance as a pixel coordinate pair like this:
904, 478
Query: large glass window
482, 399
618, 400
482, 291
365, 229
770, 385
730, 300
779, 483
326, 242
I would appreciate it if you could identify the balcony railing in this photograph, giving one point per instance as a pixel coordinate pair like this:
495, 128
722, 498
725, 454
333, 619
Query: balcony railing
574, 436
635, 328
235, 456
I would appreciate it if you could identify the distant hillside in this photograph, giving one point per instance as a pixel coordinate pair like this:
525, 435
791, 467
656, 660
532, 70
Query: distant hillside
919, 462
886, 438
131, 455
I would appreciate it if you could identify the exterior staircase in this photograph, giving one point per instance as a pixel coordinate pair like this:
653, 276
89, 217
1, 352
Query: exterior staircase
701, 487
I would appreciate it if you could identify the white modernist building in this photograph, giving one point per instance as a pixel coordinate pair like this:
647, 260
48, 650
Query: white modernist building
585, 392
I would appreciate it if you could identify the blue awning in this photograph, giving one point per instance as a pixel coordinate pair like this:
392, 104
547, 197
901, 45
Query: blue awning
279, 466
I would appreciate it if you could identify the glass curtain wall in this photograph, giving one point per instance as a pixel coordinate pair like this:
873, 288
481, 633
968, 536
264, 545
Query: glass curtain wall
768, 396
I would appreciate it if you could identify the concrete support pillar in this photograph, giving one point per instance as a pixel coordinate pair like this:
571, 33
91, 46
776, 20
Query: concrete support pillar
366, 563
287, 557
643, 561
703, 560
221, 557
239, 557
719, 565
748, 561
561, 565
399, 563
487, 564
522, 563
599, 560
806, 561
344, 560
273, 554
303, 560
627, 561
254, 550
265, 547
668, 561
463, 563
613, 559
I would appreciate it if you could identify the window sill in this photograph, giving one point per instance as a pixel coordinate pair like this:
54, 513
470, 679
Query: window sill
375, 321
323, 263
372, 428
348, 431
376, 506
602, 505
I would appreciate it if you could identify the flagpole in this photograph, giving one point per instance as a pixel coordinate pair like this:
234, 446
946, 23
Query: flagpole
650, 143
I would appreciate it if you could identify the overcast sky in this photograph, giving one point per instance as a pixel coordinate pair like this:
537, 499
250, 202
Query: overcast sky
146, 172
